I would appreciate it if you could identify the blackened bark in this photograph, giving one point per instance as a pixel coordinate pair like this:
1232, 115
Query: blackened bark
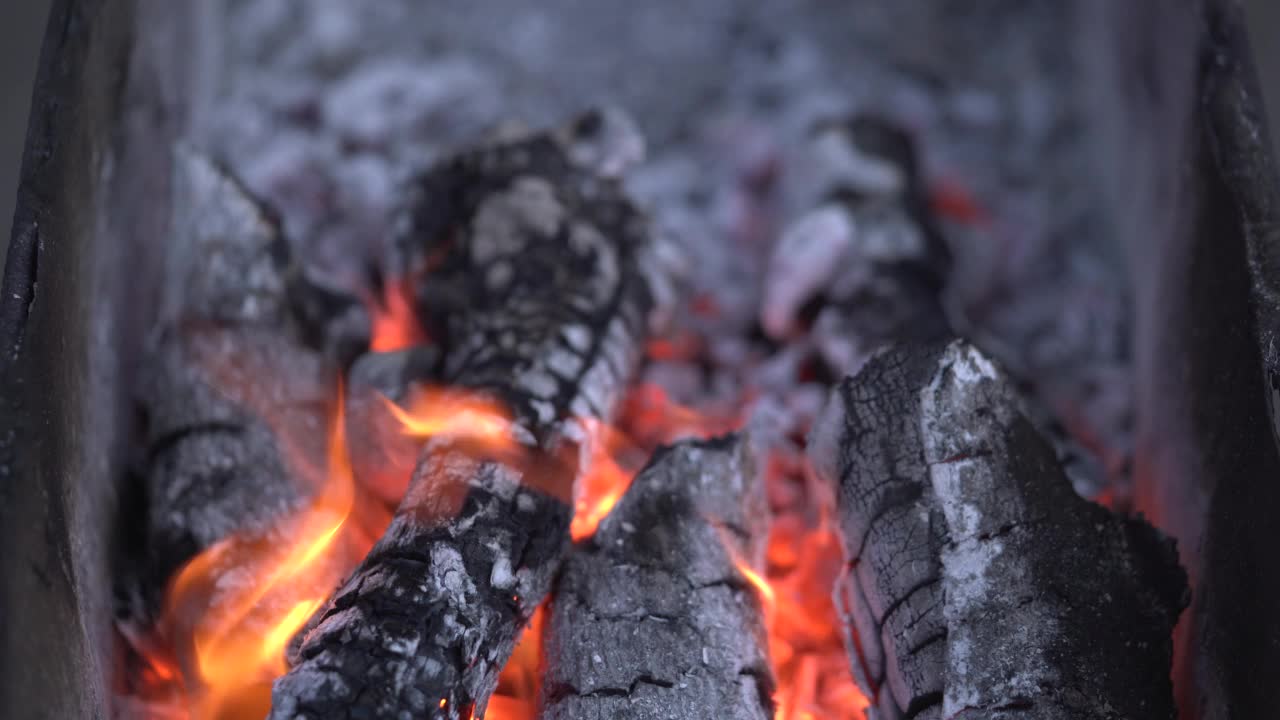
651, 617
1236, 128
234, 400
1237, 627
537, 283
978, 582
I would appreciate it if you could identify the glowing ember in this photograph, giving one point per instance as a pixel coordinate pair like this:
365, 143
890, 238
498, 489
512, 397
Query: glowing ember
652, 418
808, 655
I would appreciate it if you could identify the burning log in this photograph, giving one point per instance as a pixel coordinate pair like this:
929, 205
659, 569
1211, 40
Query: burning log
233, 396
978, 582
652, 617
536, 280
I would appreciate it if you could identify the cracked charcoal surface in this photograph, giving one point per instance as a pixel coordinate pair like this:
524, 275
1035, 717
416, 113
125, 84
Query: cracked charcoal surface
651, 619
538, 285
538, 277
978, 582
231, 394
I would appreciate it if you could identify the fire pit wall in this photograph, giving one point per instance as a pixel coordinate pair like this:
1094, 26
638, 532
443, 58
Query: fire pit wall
1074, 127
79, 291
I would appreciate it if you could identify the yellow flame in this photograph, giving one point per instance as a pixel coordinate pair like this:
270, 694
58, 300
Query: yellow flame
761, 585
291, 623
603, 482
434, 412
240, 602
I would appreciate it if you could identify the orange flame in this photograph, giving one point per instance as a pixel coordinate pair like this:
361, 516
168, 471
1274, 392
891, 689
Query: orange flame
232, 609
762, 586
604, 481
521, 678
394, 323
435, 412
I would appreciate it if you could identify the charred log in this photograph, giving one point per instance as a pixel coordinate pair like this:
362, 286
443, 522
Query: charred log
978, 582
232, 396
870, 250
537, 282
1206, 455
651, 617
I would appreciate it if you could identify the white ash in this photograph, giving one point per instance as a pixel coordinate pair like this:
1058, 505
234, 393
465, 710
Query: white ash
808, 256
607, 141
325, 105
836, 161
223, 263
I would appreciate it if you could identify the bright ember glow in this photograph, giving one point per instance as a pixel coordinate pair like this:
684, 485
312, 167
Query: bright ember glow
809, 658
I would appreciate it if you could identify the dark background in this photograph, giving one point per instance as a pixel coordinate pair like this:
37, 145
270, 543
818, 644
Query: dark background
21, 32
22, 28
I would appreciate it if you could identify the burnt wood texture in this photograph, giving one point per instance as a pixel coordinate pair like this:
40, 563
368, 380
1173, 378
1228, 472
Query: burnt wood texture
537, 283
652, 618
978, 583
236, 404
1194, 174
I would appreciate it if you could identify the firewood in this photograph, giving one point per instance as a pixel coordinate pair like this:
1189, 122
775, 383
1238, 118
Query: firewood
869, 250
978, 583
232, 395
652, 618
536, 282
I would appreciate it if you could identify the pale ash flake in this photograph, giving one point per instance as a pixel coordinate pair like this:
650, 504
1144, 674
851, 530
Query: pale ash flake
805, 259
965, 382
578, 337
839, 162
503, 223
222, 264
967, 559
566, 365
501, 576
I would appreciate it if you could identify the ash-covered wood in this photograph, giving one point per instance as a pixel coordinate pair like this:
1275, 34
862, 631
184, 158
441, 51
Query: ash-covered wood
536, 281
234, 400
869, 252
979, 584
652, 618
